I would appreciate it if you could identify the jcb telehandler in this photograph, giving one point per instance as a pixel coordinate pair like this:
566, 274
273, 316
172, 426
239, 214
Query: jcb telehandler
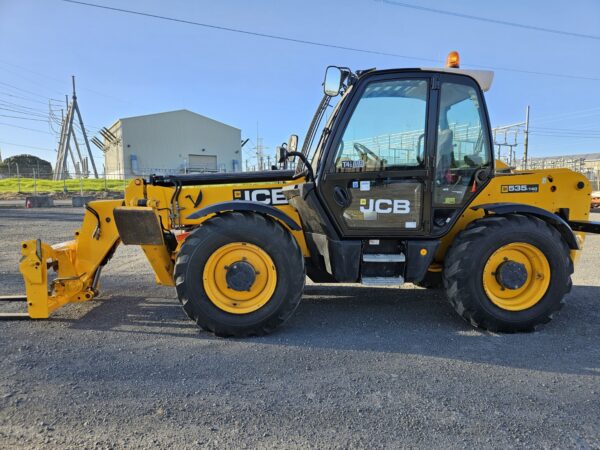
399, 185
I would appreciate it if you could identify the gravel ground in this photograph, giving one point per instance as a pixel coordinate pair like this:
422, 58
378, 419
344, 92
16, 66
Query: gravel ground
354, 367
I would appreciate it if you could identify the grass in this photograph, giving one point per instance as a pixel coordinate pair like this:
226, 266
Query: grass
11, 185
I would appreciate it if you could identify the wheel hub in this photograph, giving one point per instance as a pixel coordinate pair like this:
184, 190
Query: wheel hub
516, 276
240, 276
511, 275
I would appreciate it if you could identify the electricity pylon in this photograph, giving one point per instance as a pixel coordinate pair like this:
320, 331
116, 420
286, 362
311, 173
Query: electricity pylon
67, 134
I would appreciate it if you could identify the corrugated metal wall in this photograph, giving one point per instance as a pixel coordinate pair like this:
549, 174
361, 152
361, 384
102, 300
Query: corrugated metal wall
172, 142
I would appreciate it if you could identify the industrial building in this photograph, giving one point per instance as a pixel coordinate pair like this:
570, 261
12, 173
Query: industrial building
172, 142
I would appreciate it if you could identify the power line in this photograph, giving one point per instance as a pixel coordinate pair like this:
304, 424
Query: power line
318, 44
571, 130
24, 118
20, 105
563, 133
533, 72
565, 136
41, 75
23, 90
9, 94
25, 128
30, 80
34, 114
573, 115
22, 108
247, 32
27, 146
490, 20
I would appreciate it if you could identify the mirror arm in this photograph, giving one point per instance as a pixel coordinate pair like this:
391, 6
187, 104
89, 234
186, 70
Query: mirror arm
307, 164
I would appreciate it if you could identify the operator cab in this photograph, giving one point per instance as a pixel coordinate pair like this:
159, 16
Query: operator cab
402, 154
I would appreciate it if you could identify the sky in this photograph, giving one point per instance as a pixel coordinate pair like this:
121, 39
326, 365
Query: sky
127, 65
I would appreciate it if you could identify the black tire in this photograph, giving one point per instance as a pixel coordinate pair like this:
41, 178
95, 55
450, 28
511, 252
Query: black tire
466, 258
251, 228
432, 280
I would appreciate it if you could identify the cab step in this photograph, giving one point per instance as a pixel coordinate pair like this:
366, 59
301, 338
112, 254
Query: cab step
382, 281
383, 257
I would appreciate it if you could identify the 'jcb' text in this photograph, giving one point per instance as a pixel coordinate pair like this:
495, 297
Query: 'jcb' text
386, 206
267, 196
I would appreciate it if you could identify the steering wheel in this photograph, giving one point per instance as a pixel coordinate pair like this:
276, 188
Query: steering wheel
366, 152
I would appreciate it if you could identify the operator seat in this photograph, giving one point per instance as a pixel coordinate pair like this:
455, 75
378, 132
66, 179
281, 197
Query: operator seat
445, 154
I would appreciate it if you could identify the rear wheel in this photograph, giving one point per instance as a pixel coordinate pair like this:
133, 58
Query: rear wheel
239, 274
508, 273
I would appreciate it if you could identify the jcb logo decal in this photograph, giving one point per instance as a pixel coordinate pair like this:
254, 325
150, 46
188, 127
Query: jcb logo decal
519, 188
384, 206
266, 196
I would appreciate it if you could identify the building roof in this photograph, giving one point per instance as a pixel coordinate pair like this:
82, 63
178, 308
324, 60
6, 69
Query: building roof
122, 119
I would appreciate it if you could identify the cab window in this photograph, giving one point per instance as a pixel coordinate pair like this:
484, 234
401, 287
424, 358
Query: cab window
387, 128
462, 149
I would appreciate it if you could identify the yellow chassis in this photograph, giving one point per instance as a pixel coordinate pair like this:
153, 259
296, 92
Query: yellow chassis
78, 262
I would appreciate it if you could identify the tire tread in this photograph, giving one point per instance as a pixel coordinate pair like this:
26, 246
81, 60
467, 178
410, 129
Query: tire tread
456, 273
218, 225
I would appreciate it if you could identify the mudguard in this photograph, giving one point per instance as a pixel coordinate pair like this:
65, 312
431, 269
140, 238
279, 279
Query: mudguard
243, 205
518, 208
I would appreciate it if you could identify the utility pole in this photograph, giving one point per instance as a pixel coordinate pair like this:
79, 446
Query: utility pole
85, 138
67, 133
526, 139
70, 150
259, 151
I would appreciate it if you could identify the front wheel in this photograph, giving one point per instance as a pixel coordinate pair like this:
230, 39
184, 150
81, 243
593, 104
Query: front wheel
239, 274
508, 273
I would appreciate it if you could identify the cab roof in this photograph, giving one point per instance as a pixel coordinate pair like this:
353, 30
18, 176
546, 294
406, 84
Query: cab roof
483, 77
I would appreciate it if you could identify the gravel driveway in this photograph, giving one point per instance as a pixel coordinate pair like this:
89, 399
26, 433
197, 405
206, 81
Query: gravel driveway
354, 367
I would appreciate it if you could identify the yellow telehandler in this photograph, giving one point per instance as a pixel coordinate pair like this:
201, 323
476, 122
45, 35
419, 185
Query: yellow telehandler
398, 185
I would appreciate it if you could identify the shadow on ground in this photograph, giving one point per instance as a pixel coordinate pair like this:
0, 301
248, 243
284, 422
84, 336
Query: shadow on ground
408, 321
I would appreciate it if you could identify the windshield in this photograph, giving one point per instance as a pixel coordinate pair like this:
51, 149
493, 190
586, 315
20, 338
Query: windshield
387, 128
326, 111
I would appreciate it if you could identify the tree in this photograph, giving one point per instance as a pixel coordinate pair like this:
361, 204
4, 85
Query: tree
26, 166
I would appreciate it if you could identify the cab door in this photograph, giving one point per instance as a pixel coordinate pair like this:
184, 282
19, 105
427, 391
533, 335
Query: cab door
376, 180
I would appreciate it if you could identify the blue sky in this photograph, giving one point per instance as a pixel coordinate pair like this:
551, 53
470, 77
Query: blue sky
128, 65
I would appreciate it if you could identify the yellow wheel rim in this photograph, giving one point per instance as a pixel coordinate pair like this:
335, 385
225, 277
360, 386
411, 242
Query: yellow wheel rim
535, 286
239, 301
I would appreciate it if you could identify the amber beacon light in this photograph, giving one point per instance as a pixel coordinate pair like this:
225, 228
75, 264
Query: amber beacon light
453, 60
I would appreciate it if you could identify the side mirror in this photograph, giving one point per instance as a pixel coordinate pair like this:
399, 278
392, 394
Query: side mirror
292, 143
333, 81
283, 154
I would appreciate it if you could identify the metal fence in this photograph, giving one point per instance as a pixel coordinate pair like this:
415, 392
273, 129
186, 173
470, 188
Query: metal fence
403, 148
575, 164
34, 182
38, 183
